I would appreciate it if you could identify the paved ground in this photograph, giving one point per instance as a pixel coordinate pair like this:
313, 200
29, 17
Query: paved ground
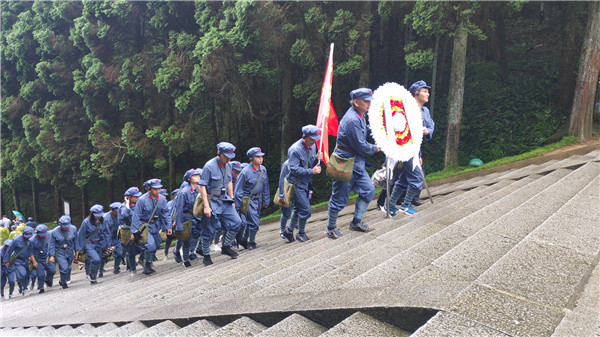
512, 252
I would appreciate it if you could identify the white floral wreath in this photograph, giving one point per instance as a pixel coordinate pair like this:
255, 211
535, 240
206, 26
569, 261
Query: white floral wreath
401, 139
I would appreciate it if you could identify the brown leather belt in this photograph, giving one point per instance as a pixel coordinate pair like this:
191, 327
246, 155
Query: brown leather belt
188, 212
345, 149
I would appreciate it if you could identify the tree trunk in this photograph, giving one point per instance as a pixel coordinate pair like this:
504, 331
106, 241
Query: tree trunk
111, 189
16, 201
434, 75
587, 77
124, 178
142, 172
58, 211
84, 201
407, 39
171, 171
365, 51
566, 62
501, 41
443, 65
456, 92
36, 203
286, 105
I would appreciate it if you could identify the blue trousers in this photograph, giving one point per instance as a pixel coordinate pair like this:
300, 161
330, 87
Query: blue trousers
92, 263
408, 176
360, 183
8, 276
44, 272
301, 202
228, 217
22, 272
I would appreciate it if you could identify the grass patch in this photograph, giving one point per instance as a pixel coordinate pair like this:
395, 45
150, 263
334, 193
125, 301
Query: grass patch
456, 170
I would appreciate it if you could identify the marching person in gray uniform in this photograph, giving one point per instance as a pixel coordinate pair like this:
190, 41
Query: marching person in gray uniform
170, 210
61, 245
92, 238
302, 162
216, 189
151, 209
131, 197
352, 142
38, 250
111, 223
253, 183
286, 212
184, 211
8, 273
20, 249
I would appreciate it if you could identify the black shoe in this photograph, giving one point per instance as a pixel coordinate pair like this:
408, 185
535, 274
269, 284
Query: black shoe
187, 264
41, 291
288, 235
148, 270
93, 281
226, 250
177, 257
154, 259
193, 257
302, 237
32, 284
49, 283
251, 245
63, 284
417, 202
116, 271
100, 274
243, 242
207, 260
199, 252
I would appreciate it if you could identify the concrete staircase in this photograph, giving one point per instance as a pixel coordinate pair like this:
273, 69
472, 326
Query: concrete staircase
509, 253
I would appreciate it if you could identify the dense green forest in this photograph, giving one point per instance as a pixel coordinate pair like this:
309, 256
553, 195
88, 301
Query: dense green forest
99, 96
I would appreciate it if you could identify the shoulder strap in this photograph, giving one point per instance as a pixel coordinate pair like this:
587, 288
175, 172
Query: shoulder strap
257, 182
98, 228
218, 185
22, 249
61, 244
154, 210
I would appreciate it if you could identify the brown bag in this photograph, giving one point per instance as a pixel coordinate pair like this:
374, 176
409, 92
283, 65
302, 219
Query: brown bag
125, 233
198, 203
246, 199
340, 168
184, 234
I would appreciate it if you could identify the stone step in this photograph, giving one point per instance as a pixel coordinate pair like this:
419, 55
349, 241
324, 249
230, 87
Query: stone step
294, 326
472, 217
243, 326
449, 324
312, 256
46, 331
198, 328
65, 330
13, 332
359, 324
98, 331
128, 329
89, 330
161, 329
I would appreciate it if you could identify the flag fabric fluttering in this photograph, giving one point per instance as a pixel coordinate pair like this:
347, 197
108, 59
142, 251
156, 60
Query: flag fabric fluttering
327, 119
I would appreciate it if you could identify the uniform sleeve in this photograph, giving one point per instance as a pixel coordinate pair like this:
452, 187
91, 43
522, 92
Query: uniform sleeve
178, 209
164, 214
282, 175
359, 145
137, 213
428, 123
80, 237
266, 193
8, 253
238, 192
51, 243
297, 166
205, 176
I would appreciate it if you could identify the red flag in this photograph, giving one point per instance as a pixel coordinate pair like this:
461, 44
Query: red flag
327, 120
